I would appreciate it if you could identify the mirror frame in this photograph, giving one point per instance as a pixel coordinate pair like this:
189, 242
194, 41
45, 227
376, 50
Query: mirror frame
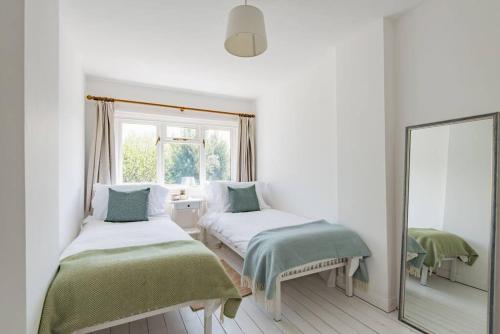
494, 216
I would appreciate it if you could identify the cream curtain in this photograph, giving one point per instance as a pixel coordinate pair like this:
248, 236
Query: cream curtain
246, 154
101, 164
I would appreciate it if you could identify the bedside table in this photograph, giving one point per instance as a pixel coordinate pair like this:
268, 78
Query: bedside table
186, 212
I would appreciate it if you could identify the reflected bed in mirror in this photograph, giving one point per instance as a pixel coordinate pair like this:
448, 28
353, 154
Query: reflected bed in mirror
447, 248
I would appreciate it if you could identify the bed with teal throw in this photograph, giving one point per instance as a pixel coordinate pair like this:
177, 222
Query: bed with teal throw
415, 256
274, 251
98, 286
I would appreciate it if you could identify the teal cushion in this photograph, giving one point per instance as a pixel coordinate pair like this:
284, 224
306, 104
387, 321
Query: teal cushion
131, 206
243, 199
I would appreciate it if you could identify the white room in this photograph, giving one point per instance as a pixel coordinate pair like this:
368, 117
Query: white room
249, 167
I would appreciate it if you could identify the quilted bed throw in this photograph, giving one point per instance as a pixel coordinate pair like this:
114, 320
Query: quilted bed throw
440, 245
98, 286
273, 251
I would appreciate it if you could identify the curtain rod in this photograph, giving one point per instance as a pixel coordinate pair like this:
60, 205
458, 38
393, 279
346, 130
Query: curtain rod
111, 99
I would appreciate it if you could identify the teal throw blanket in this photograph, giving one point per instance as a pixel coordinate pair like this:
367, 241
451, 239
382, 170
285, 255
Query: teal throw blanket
272, 252
415, 256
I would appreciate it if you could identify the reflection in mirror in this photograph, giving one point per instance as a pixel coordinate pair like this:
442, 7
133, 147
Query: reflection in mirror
449, 226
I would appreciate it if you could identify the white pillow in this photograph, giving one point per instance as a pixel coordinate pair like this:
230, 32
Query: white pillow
218, 195
157, 198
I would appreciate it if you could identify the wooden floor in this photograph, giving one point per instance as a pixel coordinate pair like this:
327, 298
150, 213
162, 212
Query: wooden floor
446, 307
309, 307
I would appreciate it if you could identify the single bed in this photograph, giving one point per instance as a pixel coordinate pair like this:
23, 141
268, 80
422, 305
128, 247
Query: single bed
441, 246
114, 273
235, 230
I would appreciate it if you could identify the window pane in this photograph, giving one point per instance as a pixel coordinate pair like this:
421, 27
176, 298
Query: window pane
181, 160
139, 153
180, 132
218, 154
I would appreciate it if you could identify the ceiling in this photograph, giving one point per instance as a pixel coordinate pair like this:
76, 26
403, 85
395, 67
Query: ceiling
179, 43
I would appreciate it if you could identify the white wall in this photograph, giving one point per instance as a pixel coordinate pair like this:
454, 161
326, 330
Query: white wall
428, 174
133, 91
447, 67
41, 152
297, 143
30, 144
362, 152
12, 192
467, 210
72, 138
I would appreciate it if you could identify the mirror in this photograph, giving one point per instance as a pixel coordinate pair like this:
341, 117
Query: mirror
447, 259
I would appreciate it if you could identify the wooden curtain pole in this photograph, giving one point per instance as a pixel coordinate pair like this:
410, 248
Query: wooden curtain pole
111, 99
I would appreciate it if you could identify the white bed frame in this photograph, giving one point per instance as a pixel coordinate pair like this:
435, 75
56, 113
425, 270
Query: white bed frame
424, 274
350, 266
210, 306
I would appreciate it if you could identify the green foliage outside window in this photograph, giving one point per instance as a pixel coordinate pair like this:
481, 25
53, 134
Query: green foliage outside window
139, 159
218, 161
181, 160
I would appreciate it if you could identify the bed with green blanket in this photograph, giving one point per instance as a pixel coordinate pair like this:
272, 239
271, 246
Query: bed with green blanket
442, 246
104, 286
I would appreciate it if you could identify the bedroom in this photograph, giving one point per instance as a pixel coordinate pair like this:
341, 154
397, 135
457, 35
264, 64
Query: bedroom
332, 97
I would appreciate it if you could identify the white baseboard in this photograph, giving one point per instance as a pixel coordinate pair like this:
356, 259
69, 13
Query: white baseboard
384, 303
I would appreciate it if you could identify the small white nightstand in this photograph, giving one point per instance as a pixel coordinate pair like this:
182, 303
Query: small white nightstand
186, 213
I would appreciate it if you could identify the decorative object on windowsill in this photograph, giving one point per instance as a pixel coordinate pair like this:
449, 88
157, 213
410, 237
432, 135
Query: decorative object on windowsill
246, 32
183, 194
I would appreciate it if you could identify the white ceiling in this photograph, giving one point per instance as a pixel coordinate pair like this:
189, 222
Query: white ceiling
179, 43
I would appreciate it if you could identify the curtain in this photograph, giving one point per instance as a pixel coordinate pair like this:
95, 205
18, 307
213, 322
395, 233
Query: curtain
246, 155
101, 164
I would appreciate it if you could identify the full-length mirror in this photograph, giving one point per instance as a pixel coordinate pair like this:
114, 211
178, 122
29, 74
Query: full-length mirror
446, 277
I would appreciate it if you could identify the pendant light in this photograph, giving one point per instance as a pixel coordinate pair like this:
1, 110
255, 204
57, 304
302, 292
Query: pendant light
246, 32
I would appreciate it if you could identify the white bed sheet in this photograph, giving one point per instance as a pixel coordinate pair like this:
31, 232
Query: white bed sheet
98, 234
238, 228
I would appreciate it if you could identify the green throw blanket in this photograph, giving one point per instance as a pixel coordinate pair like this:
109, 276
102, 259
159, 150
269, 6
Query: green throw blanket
273, 251
440, 245
415, 256
98, 286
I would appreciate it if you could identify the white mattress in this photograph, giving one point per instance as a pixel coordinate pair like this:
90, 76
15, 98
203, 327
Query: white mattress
98, 234
238, 228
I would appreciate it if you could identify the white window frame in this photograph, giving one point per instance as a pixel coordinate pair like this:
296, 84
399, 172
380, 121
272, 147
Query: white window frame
161, 122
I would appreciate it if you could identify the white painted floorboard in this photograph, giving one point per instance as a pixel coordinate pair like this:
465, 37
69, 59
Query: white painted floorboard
446, 307
309, 307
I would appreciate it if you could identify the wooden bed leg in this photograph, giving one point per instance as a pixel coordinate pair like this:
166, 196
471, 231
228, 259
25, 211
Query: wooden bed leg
277, 301
424, 274
348, 279
453, 270
332, 278
207, 317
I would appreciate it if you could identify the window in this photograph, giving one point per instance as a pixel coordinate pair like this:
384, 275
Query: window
218, 154
139, 154
181, 160
166, 150
181, 132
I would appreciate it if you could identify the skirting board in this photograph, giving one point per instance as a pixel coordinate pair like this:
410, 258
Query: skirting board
381, 302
